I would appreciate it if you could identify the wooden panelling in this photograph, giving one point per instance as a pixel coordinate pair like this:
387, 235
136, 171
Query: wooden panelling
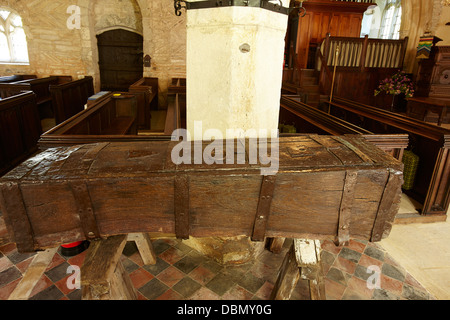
70, 98
20, 128
339, 18
146, 91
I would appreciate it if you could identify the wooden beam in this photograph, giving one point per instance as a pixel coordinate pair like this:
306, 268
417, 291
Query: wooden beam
276, 244
33, 274
145, 247
301, 262
102, 273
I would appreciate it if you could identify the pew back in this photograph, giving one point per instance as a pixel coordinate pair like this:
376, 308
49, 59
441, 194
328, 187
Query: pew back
20, 128
16, 77
116, 114
71, 97
146, 91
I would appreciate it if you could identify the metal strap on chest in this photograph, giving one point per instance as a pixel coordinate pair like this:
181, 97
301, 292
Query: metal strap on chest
345, 210
85, 209
264, 205
181, 205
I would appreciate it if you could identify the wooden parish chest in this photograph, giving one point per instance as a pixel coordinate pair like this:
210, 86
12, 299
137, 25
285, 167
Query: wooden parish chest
336, 187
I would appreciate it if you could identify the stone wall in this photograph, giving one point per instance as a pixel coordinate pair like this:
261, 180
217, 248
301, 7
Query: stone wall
441, 29
54, 49
419, 17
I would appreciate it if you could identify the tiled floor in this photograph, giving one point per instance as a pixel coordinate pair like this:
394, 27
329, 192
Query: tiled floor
181, 273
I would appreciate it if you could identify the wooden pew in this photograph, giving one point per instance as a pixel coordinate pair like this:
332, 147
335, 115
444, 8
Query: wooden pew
70, 98
308, 119
16, 77
65, 133
430, 142
146, 91
420, 107
113, 114
176, 112
178, 85
40, 86
20, 128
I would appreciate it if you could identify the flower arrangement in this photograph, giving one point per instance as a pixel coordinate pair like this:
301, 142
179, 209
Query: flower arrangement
397, 84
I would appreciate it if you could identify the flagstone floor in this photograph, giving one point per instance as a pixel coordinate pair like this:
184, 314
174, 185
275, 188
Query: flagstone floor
181, 273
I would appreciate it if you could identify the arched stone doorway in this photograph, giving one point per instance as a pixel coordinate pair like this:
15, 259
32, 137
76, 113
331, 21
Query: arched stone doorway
120, 59
119, 33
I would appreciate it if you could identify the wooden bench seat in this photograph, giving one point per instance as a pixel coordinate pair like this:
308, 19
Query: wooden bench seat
120, 125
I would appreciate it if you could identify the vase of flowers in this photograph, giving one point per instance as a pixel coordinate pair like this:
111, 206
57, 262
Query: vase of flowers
397, 84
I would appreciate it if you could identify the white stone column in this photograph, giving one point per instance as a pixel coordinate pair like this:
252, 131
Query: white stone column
234, 68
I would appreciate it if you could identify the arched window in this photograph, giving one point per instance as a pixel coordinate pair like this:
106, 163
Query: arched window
392, 17
13, 41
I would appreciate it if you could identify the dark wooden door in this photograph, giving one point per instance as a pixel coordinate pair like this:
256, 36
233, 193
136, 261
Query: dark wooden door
120, 59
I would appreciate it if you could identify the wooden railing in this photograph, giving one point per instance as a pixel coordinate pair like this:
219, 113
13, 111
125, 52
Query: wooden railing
308, 119
362, 52
178, 85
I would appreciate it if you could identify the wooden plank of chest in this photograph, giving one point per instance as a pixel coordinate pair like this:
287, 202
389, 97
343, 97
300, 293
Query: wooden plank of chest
131, 188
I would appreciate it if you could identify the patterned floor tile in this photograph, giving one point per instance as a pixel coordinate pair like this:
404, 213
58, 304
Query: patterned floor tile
50, 293
186, 287
9, 275
202, 275
170, 295
157, 268
374, 253
171, 276
237, 293
204, 294
220, 284
250, 282
265, 291
393, 272
350, 254
359, 271
140, 277
153, 289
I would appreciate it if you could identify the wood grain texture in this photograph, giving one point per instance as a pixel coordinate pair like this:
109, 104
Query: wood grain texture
133, 188
102, 275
